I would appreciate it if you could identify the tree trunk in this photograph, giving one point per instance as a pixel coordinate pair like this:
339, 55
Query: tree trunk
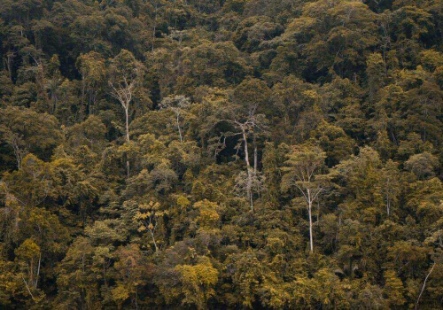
388, 199
127, 136
126, 108
311, 241
152, 231
423, 287
177, 114
153, 240
17, 152
255, 155
249, 170
38, 271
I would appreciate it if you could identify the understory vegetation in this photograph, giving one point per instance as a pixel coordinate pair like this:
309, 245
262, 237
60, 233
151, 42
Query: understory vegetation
221, 154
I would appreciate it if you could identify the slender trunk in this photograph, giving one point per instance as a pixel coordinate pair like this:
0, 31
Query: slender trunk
177, 114
245, 143
424, 286
255, 156
127, 122
153, 240
388, 206
38, 271
311, 241
249, 186
127, 169
127, 136
27, 288
248, 169
17, 152
255, 173
10, 57
388, 200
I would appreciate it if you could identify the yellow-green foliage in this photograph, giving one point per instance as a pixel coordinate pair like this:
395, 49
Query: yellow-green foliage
221, 154
198, 282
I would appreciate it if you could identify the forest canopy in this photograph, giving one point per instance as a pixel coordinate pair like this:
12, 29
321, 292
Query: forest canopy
221, 154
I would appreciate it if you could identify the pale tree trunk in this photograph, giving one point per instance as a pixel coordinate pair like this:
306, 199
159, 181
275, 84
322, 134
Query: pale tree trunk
310, 195
311, 241
9, 62
179, 129
388, 199
126, 107
248, 168
423, 287
153, 240
388, 205
255, 160
38, 271
124, 96
152, 229
27, 288
19, 153
177, 120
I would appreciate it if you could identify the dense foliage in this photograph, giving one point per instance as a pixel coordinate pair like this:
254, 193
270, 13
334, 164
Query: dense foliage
222, 154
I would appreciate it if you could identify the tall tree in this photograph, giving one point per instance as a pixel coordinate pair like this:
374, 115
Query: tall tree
303, 171
125, 75
247, 116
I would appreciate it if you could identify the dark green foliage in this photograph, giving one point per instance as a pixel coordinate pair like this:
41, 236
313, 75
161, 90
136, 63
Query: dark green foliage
221, 154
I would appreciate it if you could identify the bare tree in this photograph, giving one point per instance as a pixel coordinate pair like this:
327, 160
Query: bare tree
249, 129
177, 104
245, 116
302, 171
124, 77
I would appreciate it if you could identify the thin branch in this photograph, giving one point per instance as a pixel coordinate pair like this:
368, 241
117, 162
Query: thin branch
38, 270
423, 287
27, 288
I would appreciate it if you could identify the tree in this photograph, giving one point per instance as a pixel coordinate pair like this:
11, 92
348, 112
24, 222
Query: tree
391, 185
131, 274
423, 165
197, 282
303, 170
125, 75
394, 289
376, 71
178, 105
76, 283
331, 37
365, 186
92, 69
250, 98
28, 256
32, 183
25, 130
149, 216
